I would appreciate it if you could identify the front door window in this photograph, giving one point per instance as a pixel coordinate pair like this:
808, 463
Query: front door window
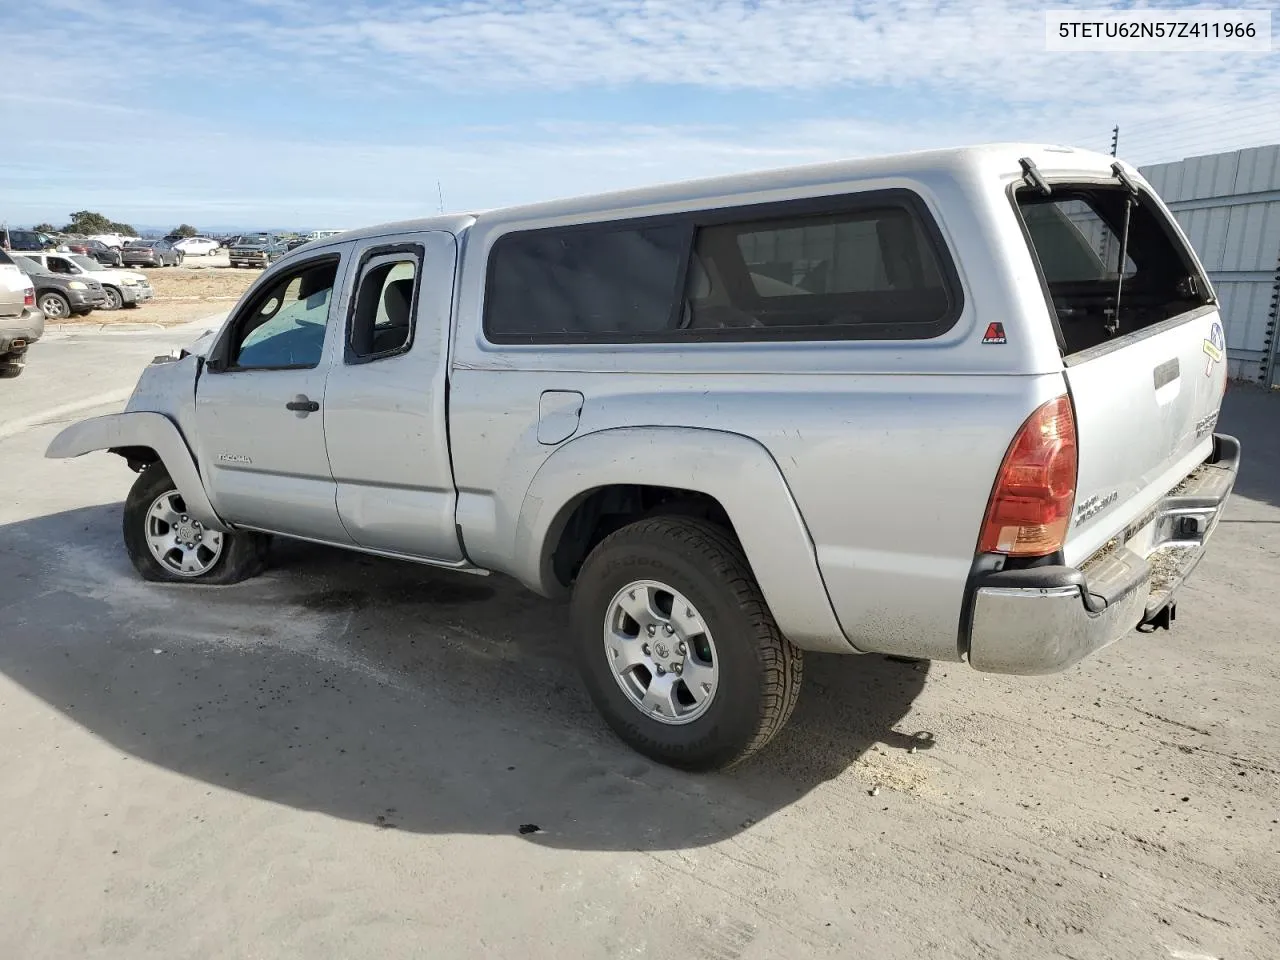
284, 327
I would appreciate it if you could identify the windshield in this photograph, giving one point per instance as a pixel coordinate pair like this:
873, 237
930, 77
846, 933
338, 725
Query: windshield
85, 263
26, 265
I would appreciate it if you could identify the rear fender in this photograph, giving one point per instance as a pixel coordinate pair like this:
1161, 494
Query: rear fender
735, 470
142, 429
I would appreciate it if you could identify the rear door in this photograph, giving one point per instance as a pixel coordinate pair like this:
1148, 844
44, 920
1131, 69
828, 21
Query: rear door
385, 403
1143, 345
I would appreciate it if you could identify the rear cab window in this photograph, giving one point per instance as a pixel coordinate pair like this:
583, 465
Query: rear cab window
1104, 282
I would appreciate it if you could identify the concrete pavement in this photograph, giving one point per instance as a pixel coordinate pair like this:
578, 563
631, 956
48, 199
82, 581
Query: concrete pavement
350, 757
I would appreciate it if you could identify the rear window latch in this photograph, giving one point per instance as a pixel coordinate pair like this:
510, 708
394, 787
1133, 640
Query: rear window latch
1118, 172
1031, 174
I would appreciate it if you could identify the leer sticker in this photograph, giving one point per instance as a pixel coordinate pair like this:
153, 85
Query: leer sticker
994, 334
1214, 347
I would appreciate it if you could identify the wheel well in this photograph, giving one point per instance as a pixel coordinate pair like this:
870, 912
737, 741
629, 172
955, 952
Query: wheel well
136, 457
606, 509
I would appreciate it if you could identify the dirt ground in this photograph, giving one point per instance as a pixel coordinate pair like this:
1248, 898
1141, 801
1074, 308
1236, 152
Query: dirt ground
351, 757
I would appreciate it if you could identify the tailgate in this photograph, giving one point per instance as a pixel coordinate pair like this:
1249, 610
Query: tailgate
1145, 415
1143, 345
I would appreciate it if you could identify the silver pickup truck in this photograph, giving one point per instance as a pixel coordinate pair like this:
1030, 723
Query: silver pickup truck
954, 405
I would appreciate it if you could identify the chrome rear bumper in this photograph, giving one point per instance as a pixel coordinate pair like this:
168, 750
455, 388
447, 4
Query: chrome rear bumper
1044, 619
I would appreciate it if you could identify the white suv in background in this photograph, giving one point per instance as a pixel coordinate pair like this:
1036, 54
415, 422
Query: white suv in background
196, 246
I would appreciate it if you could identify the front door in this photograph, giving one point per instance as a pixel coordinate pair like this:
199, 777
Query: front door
259, 406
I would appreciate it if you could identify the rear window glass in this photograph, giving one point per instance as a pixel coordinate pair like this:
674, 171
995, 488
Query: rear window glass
1109, 271
818, 277
875, 271
585, 283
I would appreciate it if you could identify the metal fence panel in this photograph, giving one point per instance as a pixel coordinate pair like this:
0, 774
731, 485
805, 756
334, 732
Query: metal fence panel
1229, 206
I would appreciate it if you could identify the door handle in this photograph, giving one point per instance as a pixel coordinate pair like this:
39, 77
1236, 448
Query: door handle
300, 404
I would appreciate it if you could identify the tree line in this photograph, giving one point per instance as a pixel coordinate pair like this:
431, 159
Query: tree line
89, 222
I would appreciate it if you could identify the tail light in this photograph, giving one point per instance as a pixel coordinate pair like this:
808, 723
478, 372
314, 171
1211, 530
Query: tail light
1035, 490
29, 297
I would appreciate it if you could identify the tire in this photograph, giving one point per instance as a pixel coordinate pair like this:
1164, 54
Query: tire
757, 671
241, 554
114, 300
54, 306
11, 368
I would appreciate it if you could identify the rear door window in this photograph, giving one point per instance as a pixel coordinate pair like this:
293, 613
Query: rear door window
1104, 280
382, 311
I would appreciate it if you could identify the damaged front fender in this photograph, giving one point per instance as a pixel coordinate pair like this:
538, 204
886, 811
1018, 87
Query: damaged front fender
153, 431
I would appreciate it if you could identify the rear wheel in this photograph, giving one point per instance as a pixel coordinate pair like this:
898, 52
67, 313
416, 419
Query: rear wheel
677, 648
11, 368
166, 544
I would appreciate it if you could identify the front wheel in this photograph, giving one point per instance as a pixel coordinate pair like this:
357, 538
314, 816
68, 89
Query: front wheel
677, 648
166, 544
114, 300
54, 306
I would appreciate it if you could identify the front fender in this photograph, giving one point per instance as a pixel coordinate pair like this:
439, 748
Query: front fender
735, 470
142, 429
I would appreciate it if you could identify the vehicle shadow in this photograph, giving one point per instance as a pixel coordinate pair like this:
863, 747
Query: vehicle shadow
1251, 414
395, 695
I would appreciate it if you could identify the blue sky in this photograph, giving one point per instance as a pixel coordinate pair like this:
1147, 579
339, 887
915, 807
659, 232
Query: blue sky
315, 113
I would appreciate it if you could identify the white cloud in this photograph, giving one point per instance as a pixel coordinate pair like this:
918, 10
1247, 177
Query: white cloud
807, 80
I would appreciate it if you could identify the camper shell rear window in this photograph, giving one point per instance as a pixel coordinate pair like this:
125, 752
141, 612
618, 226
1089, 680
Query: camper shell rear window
1110, 261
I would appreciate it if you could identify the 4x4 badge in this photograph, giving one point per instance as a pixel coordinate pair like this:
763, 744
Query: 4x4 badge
1214, 346
994, 334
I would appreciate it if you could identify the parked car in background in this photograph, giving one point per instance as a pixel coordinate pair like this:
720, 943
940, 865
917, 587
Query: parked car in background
21, 322
293, 243
323, 234
123, 288
196, 246
115, 240
110, 256
60, 296
258, 250
11, 239
229, 242
150, 253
